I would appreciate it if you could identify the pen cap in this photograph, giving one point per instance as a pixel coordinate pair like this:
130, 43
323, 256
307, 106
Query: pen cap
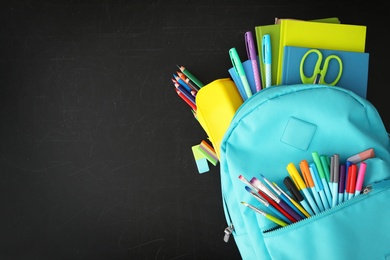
236, 61
292, 170
360, 177
292, 189
352, 178
326, 166
342, 178
266, 48
317, 161
251, 53
316, 177
304, 166
331, 179
336, 168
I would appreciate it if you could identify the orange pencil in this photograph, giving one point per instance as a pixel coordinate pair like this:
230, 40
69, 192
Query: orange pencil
188, 81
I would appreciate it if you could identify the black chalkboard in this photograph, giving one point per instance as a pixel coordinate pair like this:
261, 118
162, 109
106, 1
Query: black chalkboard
95, 145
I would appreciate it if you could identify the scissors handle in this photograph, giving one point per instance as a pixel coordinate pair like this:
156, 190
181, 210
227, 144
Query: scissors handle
318, 76
316, 70
325, 69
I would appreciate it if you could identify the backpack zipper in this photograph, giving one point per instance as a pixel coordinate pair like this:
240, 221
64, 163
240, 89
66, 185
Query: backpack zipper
365, 191
228, 231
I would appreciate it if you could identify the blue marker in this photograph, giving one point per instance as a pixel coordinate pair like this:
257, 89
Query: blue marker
318, 186
321, 173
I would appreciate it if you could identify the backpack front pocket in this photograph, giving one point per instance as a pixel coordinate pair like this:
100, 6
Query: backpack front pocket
356, 229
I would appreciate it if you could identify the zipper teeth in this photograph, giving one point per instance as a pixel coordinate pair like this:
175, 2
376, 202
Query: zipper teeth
365, 191
342, 204
228, 214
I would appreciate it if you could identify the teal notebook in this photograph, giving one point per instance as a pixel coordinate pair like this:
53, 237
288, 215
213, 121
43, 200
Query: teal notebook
354, 75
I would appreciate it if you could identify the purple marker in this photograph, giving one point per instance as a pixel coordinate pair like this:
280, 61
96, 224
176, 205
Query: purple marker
252, 56
341, 183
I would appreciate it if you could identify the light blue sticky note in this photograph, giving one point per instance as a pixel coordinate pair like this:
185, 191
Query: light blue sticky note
200, 159
202, 165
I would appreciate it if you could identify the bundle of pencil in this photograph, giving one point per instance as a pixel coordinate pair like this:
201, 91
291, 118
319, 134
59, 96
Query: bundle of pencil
187, 86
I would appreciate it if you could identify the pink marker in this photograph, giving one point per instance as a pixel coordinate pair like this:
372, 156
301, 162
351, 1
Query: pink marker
360, 178
369, 153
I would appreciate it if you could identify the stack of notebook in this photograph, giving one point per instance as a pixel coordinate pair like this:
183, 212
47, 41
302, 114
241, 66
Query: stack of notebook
291, 39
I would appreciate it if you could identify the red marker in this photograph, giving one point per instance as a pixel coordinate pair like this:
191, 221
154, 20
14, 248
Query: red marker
351, 182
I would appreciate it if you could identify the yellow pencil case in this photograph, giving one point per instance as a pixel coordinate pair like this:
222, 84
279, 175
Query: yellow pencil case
217, 102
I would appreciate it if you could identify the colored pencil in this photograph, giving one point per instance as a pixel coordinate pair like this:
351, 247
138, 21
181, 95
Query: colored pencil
185, 98
190, 76
184, 91
188, 81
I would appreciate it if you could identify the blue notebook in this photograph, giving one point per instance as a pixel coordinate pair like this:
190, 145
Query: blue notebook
354, 75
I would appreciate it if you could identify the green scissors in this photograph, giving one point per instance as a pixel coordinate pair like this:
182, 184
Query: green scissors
318, 76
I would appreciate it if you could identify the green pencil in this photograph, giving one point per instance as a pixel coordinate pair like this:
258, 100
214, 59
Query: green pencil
190, 76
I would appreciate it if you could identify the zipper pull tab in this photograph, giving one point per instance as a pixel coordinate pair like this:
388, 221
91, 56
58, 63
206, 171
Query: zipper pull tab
228, 231
367, 189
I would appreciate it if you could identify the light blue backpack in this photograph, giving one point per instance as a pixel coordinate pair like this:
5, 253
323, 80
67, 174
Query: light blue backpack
284, 124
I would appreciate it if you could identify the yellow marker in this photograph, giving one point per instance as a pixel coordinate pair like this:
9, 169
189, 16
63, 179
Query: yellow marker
292, 170
296, 177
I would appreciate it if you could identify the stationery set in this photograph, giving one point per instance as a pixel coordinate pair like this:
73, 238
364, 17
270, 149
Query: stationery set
304, 157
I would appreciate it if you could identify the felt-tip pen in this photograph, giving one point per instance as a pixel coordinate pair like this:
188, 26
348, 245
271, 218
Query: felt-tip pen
321, 173
351, 182
347, 165
267, 58
292, 170
334, 178
341, 183
318, 186
304, 166
360, 178
288, 182
252, 56
237, 65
